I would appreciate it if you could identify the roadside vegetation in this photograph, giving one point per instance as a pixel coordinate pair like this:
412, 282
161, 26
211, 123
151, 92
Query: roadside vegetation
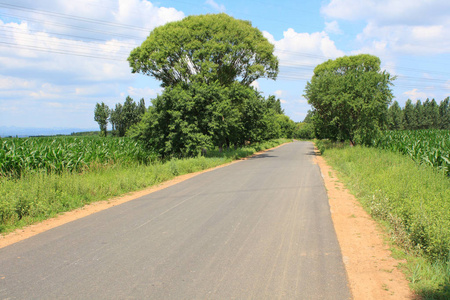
411, 200
399, 176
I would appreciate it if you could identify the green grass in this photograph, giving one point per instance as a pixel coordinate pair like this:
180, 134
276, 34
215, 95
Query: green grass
413, 203
36, 196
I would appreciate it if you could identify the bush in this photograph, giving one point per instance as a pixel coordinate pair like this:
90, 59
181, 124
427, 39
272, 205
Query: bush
304, 131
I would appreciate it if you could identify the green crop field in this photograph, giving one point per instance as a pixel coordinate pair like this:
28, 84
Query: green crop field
431, 147
57, 154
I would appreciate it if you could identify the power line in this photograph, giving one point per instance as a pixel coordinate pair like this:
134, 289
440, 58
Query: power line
61, 43
72, 27
73, 17
28, 31
35, 48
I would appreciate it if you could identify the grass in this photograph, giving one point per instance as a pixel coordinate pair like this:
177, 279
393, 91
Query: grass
412, 202
37, 196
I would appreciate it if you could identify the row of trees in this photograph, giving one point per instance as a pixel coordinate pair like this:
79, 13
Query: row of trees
122, 117
428, 115
206, 65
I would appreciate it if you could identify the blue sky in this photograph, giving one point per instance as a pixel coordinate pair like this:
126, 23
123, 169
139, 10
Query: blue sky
58, 58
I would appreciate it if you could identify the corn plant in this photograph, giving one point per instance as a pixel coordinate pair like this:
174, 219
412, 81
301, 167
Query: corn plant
73, 154
430, 147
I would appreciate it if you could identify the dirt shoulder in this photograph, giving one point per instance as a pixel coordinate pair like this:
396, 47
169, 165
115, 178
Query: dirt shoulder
371, 270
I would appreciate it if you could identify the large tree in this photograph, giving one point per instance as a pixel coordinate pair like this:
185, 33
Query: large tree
350, 97
205, 48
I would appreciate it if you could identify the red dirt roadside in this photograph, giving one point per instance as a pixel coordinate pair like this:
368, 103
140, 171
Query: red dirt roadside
371, 270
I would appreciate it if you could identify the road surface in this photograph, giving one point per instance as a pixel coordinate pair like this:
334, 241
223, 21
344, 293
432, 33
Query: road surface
257, 229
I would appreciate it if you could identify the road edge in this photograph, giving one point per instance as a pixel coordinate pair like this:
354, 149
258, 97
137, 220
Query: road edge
371, 270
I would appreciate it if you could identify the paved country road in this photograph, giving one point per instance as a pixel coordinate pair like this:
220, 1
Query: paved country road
257, 229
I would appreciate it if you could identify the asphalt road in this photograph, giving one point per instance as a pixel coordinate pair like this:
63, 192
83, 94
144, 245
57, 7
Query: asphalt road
257, 229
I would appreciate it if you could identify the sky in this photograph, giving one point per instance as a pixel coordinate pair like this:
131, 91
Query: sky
59, 58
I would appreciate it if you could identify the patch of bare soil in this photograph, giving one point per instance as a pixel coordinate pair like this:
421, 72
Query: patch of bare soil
29, 231
371, 270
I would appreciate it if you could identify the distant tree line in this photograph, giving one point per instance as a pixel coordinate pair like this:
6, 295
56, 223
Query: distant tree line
121, 118
427, 115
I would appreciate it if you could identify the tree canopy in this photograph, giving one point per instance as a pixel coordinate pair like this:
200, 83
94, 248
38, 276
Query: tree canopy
205, 48
350, 97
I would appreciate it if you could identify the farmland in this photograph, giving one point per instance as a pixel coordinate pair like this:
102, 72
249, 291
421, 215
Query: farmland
430, 147
73, 154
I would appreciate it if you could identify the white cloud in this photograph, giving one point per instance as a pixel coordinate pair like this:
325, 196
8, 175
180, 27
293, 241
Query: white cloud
389, 12
93, 90
48, 91
447, 85
415, 94
117, 17
52, 62
417, 27
255, 84
53, 104
299, 53
139, 93
419, 40
144, 14
35, 51
216, 6
332, 27
279, 93
13, 83
301, 100
297, 47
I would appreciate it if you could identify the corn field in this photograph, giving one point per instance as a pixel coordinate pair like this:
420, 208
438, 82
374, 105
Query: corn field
430, 147
73, 154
